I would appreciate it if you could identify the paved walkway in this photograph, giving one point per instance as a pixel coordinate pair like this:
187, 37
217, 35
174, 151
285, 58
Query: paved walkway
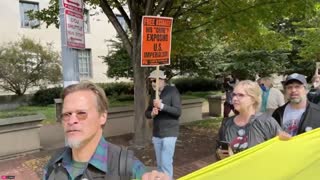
193, 166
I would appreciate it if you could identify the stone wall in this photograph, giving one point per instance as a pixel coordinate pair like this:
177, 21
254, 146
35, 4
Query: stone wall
121, 120
20, 135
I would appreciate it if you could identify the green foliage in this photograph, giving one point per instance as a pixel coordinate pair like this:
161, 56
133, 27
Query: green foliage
117, 88
25, 64
45, 97
245, 65
118, 61
196, 84
50, 15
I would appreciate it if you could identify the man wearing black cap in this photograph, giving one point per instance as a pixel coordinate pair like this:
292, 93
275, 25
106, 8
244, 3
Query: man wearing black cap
298, 115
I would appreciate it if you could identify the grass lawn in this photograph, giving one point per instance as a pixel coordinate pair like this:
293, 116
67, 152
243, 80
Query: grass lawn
207, 123
48, 111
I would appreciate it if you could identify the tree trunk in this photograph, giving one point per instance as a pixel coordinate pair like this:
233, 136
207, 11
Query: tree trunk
140, 88
140, 95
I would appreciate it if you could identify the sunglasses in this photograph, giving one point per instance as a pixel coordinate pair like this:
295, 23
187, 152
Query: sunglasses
81, 115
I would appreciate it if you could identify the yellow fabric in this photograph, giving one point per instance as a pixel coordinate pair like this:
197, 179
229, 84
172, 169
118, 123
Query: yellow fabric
295, 159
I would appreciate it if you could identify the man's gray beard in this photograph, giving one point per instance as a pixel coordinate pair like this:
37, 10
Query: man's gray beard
296, 101
73, 143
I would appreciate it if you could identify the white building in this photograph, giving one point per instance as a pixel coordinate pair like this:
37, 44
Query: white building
15, 23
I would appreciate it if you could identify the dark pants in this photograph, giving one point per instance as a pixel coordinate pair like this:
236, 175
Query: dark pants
227, 109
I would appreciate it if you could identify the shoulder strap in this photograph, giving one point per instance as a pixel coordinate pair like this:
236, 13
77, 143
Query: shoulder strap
51, 165
120, 161
125, 162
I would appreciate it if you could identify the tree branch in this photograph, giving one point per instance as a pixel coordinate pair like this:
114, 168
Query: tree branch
180, 12
176, 14
149, 7
167, 8
113, 19
123, 13
160, 6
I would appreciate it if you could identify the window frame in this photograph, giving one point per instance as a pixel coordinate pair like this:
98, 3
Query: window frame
23, 14
122, 22
86, 75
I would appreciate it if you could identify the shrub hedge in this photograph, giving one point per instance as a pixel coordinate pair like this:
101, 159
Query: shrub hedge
123, 91
196, 84
120, 91
45, 97
117, 88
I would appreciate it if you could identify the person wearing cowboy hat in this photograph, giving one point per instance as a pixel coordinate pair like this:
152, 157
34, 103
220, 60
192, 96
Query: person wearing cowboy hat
165, 112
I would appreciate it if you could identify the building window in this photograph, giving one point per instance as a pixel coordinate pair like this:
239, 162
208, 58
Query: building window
86, 21
84, 58
122, 22
25, 7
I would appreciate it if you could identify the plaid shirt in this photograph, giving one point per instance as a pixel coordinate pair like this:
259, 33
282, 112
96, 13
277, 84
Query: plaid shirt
98, 160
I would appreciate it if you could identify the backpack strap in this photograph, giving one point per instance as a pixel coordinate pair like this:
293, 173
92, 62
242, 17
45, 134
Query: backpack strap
52, 165
119, 162
125, 162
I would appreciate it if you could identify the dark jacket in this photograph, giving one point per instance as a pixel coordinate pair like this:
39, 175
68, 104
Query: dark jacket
166, 123
310, 118
314, 96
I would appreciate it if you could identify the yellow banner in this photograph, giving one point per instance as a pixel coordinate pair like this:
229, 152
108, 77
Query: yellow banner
295, 159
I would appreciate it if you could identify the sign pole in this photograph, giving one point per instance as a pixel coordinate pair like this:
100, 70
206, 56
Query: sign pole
68, 55
157, 82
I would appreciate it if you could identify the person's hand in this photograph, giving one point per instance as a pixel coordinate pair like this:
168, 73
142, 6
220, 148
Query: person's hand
221, 153
157, 103
155, 175
284, 136
154, 112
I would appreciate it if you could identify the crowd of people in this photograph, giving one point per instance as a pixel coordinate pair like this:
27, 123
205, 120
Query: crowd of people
263, 114
260, 113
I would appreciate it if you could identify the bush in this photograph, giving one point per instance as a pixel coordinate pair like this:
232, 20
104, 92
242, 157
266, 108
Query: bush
196, 84
121, 91
126, 97
119, 88
45, 97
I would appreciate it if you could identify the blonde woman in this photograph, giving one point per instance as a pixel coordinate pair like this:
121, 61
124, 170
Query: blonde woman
249, 127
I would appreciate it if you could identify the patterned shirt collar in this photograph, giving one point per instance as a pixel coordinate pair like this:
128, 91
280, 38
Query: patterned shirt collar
98, 160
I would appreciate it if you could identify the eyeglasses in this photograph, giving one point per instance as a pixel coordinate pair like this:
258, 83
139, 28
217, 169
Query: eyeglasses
238, 95
81, 115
